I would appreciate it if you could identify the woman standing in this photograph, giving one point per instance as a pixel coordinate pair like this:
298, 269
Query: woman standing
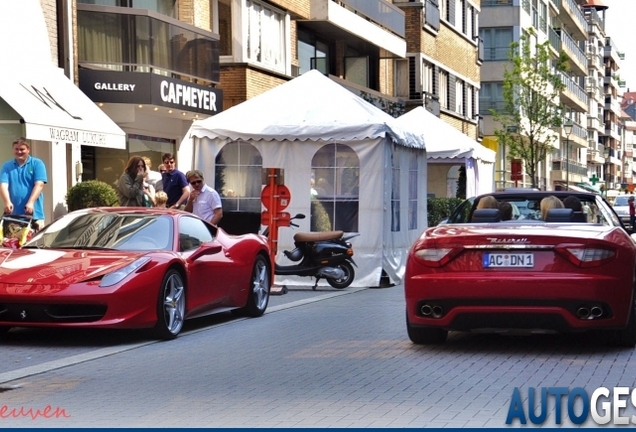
130, 187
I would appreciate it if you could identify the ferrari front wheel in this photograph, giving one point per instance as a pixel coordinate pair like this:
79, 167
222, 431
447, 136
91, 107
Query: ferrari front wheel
258, 296
170, 306
425, 335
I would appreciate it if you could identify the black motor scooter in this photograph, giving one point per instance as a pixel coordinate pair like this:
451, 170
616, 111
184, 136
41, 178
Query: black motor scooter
320, 254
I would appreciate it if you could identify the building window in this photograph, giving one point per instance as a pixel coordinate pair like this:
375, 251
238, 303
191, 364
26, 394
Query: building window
443, 89
107, 165
266, 36
335, 171
139, 43
164, 7
312, 53
491, 97
431, 14
459, 97
225, 27
237, 177
497, 42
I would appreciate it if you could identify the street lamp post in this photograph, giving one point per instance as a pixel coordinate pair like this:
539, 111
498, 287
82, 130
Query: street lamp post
567, 127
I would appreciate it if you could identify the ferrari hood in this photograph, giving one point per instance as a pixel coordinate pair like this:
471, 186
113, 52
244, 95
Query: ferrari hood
49, 266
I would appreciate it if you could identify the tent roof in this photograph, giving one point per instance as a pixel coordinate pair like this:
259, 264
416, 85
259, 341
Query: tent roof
309, 107
443, 141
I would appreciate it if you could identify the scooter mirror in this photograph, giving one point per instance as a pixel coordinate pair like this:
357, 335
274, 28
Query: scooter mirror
299, 216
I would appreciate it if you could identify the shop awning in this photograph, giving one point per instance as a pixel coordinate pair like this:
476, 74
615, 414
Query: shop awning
54, 109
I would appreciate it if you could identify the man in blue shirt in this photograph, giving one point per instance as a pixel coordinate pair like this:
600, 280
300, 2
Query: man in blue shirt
21, 182
174, 183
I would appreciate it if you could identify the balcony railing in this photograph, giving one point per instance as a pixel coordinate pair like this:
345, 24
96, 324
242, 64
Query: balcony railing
495, 3
382, 12
576, 13
573, 47
574, 88
562, 164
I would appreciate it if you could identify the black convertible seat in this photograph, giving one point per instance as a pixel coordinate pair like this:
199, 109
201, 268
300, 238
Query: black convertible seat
559, 215
486, 215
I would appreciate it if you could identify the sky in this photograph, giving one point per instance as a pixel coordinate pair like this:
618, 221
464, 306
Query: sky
620, 25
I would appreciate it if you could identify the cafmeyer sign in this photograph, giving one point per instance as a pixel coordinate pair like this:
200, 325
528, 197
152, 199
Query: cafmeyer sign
148, 88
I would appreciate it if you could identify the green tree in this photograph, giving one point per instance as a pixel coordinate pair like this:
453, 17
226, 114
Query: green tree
531, 107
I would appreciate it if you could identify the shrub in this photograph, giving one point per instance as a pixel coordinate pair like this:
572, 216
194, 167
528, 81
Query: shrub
441, 208
91, 193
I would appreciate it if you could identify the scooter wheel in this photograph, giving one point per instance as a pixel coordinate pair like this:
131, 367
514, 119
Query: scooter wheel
345, 281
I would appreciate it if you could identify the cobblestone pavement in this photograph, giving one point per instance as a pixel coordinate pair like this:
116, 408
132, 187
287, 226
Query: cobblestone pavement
342, 361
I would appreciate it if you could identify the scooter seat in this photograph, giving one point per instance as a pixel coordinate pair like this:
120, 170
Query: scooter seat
317, 236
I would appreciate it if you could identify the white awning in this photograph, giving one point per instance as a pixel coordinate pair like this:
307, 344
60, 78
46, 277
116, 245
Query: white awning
54, 109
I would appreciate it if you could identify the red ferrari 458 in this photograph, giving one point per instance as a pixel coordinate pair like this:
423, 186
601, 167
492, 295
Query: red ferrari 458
524, 261
132, 268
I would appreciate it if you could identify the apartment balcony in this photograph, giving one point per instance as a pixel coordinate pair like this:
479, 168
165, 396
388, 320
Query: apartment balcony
561, 167
596, 124
596, 23
612, 104
572, 17
578, 60
611, 51
573, 95
378, 22
595, 59
610, 79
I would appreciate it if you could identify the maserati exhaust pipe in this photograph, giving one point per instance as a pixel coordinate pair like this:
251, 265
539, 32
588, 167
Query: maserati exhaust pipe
596, 311
426, 310
583, 312
437, 311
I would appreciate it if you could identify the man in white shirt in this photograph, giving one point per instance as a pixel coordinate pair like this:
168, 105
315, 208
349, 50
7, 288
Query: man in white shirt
204, 201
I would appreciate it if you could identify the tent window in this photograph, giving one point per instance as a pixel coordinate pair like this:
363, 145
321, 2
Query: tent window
395, 193
335, 171
413, 190
238, 177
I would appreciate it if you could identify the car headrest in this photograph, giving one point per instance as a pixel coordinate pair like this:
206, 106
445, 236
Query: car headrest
579, 216
559, 215
486, 215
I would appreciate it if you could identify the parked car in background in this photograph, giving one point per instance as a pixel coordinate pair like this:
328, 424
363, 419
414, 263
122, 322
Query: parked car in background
572, 271
132, 268
621, 207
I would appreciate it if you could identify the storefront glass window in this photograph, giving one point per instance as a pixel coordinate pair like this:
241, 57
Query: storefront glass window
108, 165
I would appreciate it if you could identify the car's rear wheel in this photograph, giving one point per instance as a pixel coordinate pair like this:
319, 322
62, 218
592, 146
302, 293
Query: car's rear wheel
627, 337
171, 306
425, 335
258, 297
345, 281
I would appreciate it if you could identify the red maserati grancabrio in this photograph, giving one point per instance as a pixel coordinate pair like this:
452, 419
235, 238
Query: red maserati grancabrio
132, 268
518, 266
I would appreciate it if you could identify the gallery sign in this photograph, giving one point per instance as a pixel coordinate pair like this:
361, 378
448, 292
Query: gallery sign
149, 88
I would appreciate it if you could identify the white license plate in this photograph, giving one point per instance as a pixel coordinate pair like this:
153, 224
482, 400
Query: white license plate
492, 260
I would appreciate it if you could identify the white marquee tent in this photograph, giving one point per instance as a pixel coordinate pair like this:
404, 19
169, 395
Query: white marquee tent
446, 145
289, 124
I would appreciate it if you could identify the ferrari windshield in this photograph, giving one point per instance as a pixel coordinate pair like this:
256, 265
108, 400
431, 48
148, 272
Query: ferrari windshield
91, 230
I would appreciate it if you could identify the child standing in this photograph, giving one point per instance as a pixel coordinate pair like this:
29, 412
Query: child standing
160, 199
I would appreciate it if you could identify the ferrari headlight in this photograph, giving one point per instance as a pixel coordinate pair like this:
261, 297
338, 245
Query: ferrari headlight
118, 275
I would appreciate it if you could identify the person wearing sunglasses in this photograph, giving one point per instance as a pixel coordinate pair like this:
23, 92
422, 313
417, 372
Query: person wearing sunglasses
204, 201
174, 183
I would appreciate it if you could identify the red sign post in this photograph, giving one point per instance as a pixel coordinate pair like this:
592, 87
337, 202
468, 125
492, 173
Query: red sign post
275, 198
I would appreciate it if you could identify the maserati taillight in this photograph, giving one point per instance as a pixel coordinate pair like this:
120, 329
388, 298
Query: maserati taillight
586, 256
437, 257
